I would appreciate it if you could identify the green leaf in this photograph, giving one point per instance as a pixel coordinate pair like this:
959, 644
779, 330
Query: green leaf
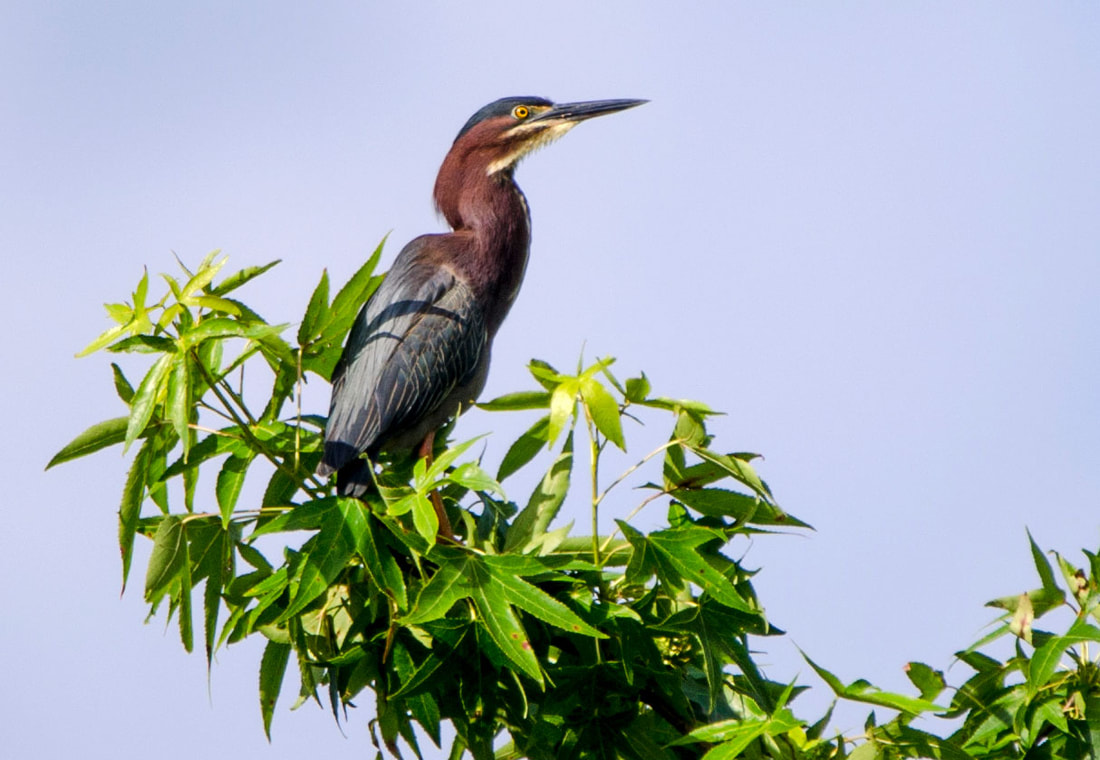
446, 586
470, 475
168, 558
254, 557
546, 376
425, 673
280, 490
186, 618
307, 516
678, 549
525, 448
1042, 565
511, 402
604, 410
861, 691
736, 734
213, 303
144, 344
637, 388
1037, 603
129, 511
718, 502
867, 751
226, 440
316, 311
145, 400
345, 306
105, 338
1046, 658
179, 400
234, 281
535, 601
211, 604
119, 312
544, 504
678, 405
377, 559
206, 274
563, 403
501, 622
736, 467
219, 327
442, 462
98, 436
330, 551
930, 682
272, 669
141, 291
229, 484
122, 385
425, 519
897, 740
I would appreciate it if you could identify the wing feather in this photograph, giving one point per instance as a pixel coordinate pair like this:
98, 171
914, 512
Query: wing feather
419, 337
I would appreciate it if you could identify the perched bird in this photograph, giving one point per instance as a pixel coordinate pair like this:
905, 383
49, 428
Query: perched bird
418, 352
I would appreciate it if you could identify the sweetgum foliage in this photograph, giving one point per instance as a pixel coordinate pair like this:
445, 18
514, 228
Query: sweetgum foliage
530, 640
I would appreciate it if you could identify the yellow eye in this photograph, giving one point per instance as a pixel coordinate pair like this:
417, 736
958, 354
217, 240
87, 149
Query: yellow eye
520, 112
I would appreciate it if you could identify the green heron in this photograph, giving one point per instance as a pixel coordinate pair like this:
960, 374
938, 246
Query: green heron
418, 352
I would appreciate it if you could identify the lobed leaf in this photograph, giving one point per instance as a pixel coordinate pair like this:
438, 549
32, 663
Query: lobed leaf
329, 552
678, 550
370, 545
535, 601
447, 585
505, 629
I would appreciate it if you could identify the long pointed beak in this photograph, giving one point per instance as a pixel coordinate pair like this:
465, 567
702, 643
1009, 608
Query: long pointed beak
589, 109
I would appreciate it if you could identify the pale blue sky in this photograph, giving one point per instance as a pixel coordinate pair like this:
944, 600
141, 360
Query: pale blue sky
869, 232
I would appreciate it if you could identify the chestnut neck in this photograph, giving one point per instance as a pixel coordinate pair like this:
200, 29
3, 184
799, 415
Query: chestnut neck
491, 227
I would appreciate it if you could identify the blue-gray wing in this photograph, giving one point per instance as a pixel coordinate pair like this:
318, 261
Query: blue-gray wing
419, 337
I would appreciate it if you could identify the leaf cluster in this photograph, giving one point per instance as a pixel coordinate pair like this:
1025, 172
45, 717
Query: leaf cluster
529, 640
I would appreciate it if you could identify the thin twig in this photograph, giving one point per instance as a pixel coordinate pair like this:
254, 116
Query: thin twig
634, 467
298, 426
246, 430
634, 512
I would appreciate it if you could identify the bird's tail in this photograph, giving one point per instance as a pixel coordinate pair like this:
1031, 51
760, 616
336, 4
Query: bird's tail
354, 479
353, 472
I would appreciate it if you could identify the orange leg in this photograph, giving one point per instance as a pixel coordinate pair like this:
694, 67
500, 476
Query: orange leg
444, 522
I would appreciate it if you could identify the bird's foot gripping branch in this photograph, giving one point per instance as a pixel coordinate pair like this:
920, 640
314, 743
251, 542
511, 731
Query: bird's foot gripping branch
631, 644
